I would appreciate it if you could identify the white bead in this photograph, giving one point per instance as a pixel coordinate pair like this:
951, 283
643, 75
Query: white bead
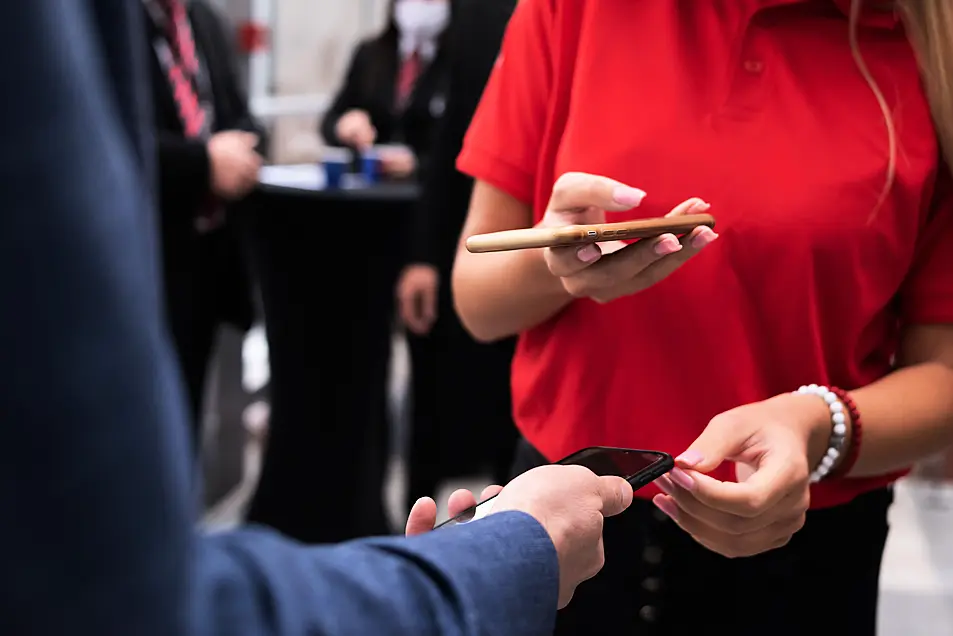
839, 418
837, 407
812, 387
840, 430
833, 453
822, 390
827, 461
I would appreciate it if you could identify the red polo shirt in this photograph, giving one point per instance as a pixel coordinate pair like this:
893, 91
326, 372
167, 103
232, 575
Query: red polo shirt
757, 107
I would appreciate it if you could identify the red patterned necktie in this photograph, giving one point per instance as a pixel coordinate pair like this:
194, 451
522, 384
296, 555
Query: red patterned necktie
184, 67
407, 79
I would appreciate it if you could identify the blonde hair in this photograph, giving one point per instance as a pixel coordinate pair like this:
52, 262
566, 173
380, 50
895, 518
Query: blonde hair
930, 29
929, 25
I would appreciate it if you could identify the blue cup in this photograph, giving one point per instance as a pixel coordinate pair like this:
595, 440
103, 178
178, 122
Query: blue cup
370, 166
336, 163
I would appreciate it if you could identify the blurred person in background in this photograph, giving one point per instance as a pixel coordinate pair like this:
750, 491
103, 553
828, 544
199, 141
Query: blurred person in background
799, 359
460, 400
94, 460
208, 157
394, 91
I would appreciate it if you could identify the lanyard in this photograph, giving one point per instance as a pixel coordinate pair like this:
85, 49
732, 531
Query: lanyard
167, 59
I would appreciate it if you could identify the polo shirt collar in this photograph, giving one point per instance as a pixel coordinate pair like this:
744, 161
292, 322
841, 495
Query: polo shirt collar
879, 14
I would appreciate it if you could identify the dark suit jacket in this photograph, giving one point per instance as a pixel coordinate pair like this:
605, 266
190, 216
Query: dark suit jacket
97, 535
184, 163
370, 85
476, 34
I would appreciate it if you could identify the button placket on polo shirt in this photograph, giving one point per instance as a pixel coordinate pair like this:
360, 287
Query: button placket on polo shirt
746, 87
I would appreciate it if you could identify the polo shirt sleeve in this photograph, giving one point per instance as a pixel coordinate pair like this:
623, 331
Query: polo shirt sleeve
502, 146
927, 294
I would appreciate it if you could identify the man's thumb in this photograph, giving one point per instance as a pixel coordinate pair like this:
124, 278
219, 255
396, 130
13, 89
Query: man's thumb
616, 495
713, 446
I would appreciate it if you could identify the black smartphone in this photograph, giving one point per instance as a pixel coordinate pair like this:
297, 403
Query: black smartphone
638, 467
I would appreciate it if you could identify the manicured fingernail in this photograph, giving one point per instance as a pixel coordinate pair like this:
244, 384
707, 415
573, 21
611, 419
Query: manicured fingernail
667, 244
666, 506
624, 195
701, 206
664, 485
681, 478
689, 459
589, 253
704, 237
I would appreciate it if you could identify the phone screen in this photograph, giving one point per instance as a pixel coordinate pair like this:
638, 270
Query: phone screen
639, 467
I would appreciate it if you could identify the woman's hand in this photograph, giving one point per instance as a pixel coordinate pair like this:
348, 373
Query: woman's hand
607, 271
775, 445
398, 162
355, 129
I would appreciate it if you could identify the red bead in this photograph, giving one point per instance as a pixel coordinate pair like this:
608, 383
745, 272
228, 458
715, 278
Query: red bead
857, 429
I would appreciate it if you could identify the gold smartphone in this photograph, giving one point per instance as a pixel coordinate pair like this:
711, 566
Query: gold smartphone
532, 238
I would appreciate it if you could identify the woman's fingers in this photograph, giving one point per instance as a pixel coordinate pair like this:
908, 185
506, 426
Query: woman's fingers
577, 191
732, 545
570, 260
586, 271
689, 206
691, 243
724, 522
603, 274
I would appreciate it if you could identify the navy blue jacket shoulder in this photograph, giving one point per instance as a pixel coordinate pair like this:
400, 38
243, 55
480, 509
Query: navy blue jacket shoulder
96, 535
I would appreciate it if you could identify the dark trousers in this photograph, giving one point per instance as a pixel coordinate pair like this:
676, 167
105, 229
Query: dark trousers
460, 413
322, 476
206, 285
658, 581
193, 309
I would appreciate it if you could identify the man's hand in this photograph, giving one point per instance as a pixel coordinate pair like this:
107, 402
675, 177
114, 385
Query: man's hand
234, 163
355, 129
423, 516
571, 503
398, 162
417, 297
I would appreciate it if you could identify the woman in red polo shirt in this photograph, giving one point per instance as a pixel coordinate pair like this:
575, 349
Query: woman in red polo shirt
804, 125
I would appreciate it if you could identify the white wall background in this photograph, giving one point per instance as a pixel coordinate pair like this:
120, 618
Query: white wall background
311, 44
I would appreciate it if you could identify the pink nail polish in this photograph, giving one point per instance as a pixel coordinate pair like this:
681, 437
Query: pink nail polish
681, 479
666, 506
704, 237
589, 253
664, 485
624, 195
667, 245
689, 459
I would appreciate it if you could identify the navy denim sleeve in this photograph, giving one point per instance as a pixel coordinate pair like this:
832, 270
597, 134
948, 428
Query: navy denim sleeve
495, 577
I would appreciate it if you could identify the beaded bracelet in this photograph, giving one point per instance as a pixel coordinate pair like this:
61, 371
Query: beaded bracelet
838, 439
856, 431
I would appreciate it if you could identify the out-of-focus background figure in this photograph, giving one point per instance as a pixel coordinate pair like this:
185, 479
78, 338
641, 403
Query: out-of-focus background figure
449, 367
209, 158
